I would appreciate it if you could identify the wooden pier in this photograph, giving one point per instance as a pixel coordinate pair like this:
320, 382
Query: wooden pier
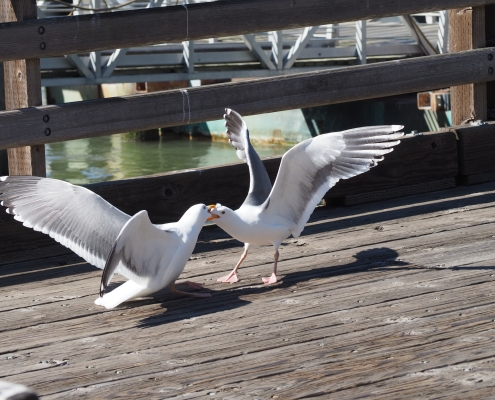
392, 300
391, 297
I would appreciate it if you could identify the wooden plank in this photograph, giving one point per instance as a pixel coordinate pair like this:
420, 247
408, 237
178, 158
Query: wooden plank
476, 178
466, 32
377, 330
416, 161
476, 153
48, 37
163, 109
490, 38
23, 89
400, 191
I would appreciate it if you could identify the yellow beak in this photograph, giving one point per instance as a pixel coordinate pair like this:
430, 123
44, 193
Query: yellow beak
213, 216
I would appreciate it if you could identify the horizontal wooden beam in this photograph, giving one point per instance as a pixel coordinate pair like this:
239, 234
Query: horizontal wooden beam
56, 123
416, 162
476, 153
83, 33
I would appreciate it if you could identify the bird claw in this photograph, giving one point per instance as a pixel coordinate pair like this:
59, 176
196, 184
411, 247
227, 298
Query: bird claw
268, 281
230, 278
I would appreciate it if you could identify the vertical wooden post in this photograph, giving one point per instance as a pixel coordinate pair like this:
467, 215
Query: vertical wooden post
23, 89
466, 32
490, 42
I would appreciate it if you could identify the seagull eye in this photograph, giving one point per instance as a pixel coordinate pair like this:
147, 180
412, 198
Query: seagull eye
204, 207
223, 212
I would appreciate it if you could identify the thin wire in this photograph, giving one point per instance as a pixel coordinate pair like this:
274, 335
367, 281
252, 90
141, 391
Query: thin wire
94, 9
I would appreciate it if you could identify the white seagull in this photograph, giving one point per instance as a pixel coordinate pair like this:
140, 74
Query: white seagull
150, 256
307, 171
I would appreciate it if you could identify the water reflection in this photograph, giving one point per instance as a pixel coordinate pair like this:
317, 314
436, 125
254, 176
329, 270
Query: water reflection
112, 157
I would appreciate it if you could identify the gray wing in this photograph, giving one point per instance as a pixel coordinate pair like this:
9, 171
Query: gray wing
238, 134
72, 215
311, 168
142, 252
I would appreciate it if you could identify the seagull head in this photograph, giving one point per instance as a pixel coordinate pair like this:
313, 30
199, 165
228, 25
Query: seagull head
198, 213
219, 212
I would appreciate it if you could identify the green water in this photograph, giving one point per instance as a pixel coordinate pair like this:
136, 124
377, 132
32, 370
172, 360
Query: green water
111, 157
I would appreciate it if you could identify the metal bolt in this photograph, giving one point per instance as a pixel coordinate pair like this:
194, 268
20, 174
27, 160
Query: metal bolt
48, 131
41, 30
490, 57
43, 46
490, 70
46, 118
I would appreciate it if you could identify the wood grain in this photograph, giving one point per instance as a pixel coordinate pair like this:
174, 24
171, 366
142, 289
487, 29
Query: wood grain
23, 89
490, 38
163, 109
476, 149
418, 159
175, 24
393, 313
466, 32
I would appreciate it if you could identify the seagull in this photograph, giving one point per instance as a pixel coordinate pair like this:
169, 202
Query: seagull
150, 256
269, 214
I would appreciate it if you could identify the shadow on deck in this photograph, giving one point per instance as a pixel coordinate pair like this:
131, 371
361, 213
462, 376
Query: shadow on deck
388, 300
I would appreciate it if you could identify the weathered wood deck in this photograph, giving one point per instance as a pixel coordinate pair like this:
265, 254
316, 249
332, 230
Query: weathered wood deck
383, 300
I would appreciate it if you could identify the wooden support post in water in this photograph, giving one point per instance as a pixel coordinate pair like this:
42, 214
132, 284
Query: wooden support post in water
23, 89
466, 32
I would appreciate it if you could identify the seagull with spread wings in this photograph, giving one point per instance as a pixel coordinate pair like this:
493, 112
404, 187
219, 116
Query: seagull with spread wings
150, 256
269, 214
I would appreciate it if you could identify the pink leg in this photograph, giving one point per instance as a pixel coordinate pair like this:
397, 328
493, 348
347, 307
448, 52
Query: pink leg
174, 290
273, 277
232, 277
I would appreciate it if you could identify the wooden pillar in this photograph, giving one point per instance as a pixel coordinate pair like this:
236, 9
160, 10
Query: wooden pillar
490, 42
23, 89
466, 32
4, 164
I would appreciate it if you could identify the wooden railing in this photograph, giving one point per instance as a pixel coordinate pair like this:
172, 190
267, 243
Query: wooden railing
83, 33
55, 123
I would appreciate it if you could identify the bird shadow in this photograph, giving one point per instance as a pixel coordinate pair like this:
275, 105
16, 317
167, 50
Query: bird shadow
184, 308
377, 259
233, 296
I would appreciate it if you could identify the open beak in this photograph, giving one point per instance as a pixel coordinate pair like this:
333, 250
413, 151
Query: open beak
213, 216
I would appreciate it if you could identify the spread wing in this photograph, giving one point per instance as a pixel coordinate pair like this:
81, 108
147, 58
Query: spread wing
238, 134
72, 215
140, 251
311, 168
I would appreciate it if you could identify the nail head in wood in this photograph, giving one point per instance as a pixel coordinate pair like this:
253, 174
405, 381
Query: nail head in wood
490, 70
46, 118
490, 57
48, 131
43, 46
41, 30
